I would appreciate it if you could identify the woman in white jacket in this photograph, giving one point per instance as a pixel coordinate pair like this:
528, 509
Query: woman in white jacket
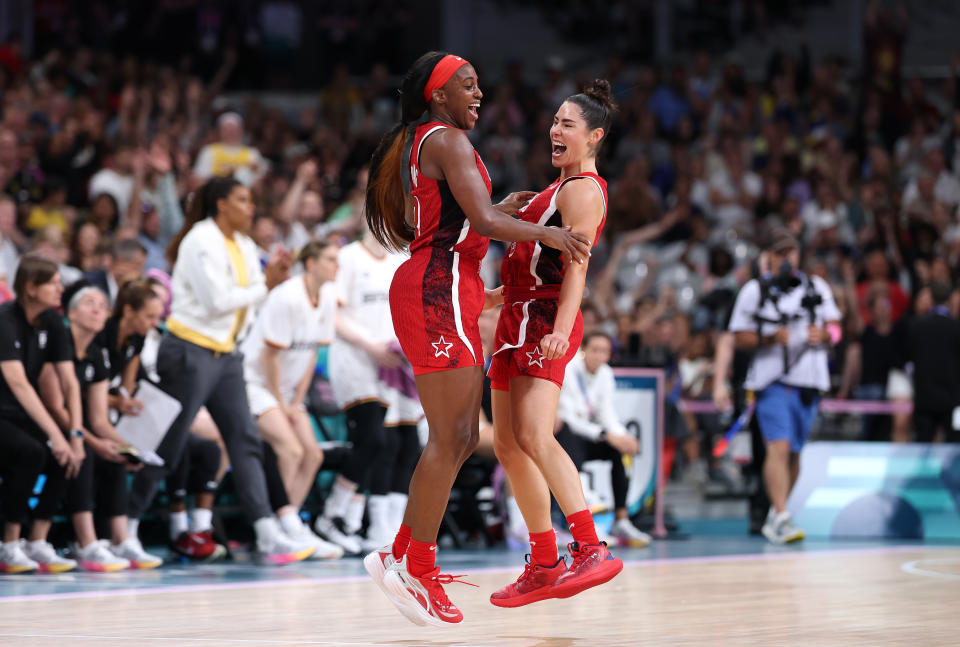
217, 280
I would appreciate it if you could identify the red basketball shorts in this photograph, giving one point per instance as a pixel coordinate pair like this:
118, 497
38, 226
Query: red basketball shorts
435, 300
521, 326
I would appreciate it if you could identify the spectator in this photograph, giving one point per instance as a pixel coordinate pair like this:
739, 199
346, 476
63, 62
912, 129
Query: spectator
591, 429
933, 341
229, 156
127, 263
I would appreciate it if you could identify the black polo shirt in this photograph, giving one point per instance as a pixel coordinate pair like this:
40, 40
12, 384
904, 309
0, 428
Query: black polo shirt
32, 346
119, 356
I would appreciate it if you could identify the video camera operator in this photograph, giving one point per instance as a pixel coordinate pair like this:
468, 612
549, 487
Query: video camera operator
790, 320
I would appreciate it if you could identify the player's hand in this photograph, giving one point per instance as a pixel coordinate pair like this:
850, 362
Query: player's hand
492, 298
554, 345
386, 357
575, 246
77, 456
623, 443
816, 335
60, 449
278, 268
106, 449
781, 337
515, 202
129, 406
721, 395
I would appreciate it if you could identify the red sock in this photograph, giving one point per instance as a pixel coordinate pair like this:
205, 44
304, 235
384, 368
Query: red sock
420, 557
543, 548
582, 528
401, 541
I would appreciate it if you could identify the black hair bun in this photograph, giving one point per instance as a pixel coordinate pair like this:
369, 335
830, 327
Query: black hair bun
599, 91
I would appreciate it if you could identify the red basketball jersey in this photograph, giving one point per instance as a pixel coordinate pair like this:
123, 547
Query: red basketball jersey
438, 219
530, 265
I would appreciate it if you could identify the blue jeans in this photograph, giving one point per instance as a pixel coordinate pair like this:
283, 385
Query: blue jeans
782, 415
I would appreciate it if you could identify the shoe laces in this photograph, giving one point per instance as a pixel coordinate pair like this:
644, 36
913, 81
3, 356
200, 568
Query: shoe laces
579, 553
434, 586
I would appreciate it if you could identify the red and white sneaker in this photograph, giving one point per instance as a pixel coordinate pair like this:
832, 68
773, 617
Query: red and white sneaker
592, 565
195, 545
422, 599
533, 585
376, 564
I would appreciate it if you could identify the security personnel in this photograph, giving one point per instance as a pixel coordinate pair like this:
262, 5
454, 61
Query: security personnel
790, 320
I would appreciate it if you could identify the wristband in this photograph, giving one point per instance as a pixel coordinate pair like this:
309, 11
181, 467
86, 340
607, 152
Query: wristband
835, 333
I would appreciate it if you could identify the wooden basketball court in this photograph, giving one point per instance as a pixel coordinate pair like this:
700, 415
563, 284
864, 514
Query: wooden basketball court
705, 591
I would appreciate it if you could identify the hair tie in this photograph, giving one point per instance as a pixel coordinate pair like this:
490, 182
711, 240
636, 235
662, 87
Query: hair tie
442, 72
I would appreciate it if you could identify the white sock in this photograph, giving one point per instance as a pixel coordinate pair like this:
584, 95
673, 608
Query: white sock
267, 530
353, 518
338, 501
133, 527
398, 506
178, 524
514, 516
380, 512
201, 520
290, 522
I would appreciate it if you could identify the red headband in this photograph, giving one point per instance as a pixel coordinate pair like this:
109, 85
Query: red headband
442, 72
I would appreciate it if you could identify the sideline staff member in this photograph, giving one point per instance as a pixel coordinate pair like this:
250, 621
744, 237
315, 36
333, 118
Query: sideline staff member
790, 319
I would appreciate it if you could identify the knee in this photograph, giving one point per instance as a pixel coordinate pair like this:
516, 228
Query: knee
506, 450
291, 452
313, 456
530, 442
460, 439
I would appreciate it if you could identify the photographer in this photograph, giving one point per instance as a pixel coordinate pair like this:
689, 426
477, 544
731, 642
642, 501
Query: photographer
790, 320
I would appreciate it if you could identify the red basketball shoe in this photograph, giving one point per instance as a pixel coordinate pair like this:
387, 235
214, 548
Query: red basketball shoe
533, 585
592, 565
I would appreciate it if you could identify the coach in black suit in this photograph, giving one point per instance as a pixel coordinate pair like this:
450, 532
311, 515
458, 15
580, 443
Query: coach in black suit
933, 346
129, 259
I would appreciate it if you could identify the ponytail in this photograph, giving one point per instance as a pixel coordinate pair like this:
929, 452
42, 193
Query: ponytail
202, 204
386, 199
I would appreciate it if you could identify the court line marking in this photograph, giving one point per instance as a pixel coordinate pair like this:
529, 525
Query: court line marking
914, 569
243, 641
785, 553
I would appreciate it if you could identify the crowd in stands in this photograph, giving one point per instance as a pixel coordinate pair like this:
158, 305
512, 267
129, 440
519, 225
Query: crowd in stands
98, 158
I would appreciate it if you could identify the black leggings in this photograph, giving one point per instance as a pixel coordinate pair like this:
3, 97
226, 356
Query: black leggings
397, 460
366, 432
100, 482
197, 471
24, 455
582, 450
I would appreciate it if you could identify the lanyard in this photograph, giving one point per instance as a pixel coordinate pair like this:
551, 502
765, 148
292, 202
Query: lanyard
586, 397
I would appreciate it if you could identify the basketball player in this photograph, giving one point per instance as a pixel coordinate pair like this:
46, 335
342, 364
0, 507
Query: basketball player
280, 357
361, 348
539, 332
429, 189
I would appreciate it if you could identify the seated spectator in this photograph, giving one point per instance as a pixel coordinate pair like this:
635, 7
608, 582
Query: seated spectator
101, 483
591, 429
229, 156
31, 443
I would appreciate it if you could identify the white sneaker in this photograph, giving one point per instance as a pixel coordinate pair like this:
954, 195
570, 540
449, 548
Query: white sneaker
46, 557
334, 531
779, 529
97, 558
131, 550
14, 560
377, 563
281, 549
322, 549
627, 534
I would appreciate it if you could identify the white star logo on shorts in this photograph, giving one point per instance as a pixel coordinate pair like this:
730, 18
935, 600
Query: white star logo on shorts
442, 347
535, 357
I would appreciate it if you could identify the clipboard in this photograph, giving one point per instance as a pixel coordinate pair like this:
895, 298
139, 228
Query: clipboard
146, 431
